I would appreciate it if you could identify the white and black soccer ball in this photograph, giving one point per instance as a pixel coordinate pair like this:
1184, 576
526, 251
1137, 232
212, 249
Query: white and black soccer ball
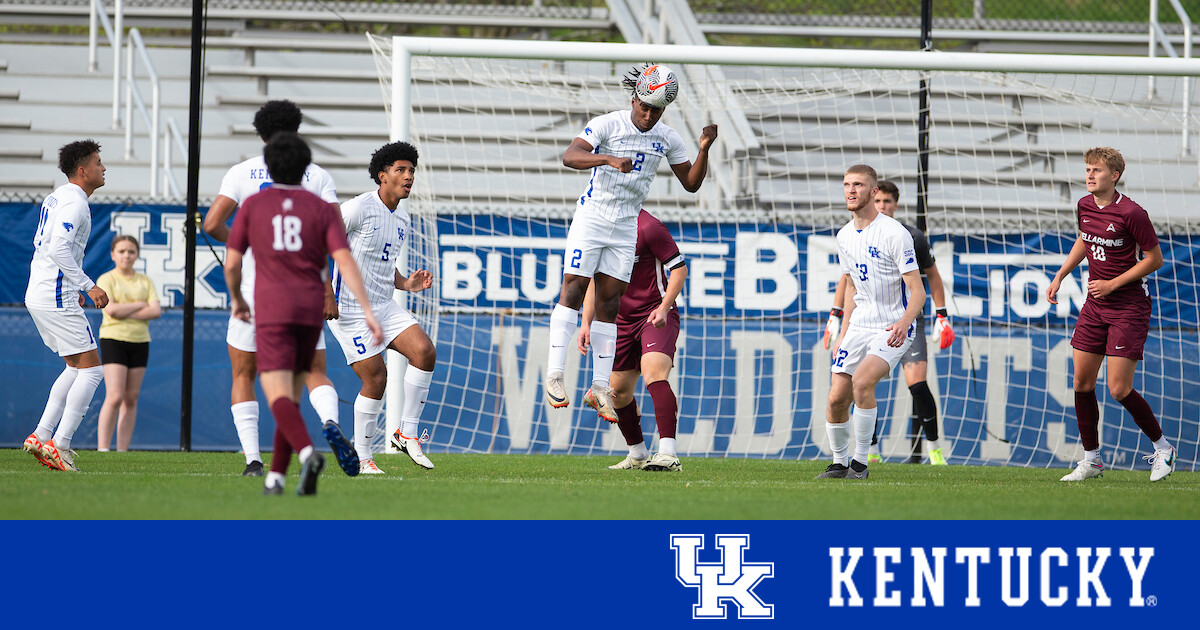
657, 86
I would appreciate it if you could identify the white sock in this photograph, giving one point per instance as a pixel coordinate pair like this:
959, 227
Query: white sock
245, 420
275, 479
366, 417
1092, 456
78, 399
667, 446
563, 322
55, 403
863, 423
604, 347
839, 441
639, 451
305, 453
934, 444
324, 400
1161, 444
416, 388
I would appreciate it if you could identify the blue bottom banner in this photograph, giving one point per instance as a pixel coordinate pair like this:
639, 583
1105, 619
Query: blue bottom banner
596, 574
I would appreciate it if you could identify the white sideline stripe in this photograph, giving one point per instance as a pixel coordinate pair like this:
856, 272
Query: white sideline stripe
546, 242
1017, 260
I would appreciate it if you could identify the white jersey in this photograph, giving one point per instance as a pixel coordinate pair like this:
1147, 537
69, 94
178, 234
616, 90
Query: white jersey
377, 236
247, 178
615, 195
875, 258
56, 273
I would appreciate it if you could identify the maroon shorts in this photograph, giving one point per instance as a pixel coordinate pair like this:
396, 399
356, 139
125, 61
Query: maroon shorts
1113, 332
637, 338
286, 346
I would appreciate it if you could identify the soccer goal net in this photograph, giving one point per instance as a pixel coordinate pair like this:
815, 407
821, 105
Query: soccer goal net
1007, 136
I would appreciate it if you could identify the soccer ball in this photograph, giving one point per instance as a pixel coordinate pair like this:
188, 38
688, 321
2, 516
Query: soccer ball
657, 86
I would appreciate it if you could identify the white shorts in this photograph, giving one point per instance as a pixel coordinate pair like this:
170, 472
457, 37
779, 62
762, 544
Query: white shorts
595, 244
66, 332
859, 343
351, 330
241, 336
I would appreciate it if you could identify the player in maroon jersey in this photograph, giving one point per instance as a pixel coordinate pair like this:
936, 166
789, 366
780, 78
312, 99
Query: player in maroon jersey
647, 329
1118, 240
291, 231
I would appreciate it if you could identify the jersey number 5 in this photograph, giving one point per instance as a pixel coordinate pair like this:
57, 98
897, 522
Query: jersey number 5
287, 233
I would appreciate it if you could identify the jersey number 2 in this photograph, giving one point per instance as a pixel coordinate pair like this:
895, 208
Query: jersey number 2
287, 233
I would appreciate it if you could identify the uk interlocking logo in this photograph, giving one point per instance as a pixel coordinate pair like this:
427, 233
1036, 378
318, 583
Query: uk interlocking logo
730, 581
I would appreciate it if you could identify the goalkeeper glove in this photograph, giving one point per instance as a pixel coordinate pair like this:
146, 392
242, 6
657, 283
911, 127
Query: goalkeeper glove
832, 327
942, 330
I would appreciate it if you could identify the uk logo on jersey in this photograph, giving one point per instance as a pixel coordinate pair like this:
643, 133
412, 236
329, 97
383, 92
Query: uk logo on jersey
873, 251
400, 232
730, 581
658, 147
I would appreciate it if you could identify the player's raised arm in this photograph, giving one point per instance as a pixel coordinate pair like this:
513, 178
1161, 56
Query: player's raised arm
579, 156
691, 174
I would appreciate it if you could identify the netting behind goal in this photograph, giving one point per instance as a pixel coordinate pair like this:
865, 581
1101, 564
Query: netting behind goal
752, 377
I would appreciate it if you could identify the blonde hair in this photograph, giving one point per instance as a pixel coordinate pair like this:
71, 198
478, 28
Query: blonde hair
863, 169
120, 238
1107, 156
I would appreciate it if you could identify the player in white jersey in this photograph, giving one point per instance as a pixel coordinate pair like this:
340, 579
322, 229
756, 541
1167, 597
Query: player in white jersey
239, 183
623, 150
54, 298
377, 227
884, 297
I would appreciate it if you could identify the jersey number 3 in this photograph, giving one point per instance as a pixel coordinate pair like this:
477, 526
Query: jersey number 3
287, 233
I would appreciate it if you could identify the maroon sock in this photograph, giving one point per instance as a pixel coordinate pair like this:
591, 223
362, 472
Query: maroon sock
1142, 415
289, 422
1087, 410
666, 408
630, 423
283, 453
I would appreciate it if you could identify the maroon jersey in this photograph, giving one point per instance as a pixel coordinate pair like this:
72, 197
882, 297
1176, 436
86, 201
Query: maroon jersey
1116, 238
656, 255
291, 231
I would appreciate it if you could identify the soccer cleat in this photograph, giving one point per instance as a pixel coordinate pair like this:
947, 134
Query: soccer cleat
345, 454
1162, 463
412, 448
858, 470
629, 463
913, 459
368, 467
58, 459
308, 474
1084, 470
275, 489
556, 391
834, 471
600, 399
661, 462
937, 457
253, 469
874, 458
33, 446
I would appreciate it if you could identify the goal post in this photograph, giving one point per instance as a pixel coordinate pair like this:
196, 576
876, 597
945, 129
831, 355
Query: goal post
492, 203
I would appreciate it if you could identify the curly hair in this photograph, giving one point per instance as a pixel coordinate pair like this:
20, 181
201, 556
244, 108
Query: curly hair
629, 81
276, 116
389, 154
287, 156
76, 154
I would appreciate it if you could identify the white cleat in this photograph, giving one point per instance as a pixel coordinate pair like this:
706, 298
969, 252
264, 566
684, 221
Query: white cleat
1084, 470
1162, 463
368, 467
600, 399
412, 448
661, 462
629, 463
556, 391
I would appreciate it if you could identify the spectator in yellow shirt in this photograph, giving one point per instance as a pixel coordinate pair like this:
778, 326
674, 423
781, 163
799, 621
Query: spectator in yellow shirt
124, 341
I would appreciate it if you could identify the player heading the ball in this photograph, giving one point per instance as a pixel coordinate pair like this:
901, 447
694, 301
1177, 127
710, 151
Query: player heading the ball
622, 149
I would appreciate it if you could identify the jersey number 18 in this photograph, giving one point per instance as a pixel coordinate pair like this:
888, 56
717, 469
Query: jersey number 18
287, 233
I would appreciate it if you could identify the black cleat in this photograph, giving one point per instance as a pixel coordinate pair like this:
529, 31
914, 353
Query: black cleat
834, 471
253, 469
276, 489
345, 454
308, 474
913, 459
858, 470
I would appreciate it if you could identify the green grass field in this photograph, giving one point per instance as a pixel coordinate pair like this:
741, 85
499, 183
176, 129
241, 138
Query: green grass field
157, 485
